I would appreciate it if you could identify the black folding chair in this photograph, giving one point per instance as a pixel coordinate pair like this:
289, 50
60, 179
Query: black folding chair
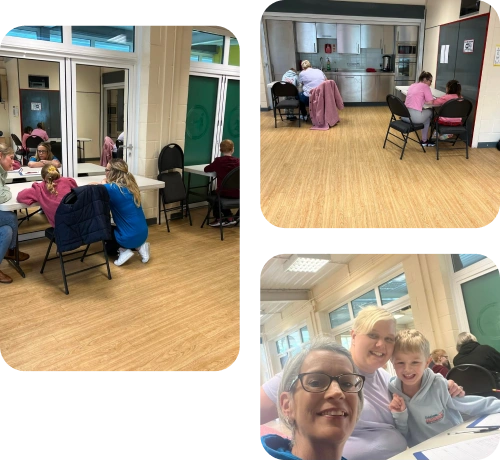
20, 152
32, 143
288, 91
475, 380
172, 158
455, 108
398, 108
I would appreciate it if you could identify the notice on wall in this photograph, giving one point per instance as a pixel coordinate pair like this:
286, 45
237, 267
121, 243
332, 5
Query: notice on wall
36, 106
445, 50
468, 46
496, 61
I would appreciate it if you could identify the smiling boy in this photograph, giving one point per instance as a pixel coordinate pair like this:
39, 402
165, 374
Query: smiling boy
422, 406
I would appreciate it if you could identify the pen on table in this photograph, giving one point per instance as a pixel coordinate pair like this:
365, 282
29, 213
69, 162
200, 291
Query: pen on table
483, 429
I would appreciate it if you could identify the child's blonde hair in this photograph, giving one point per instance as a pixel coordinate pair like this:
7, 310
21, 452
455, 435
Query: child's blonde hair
50, 174
47, 145
368, 317
436, 354
226, 146
411, 341
120, 175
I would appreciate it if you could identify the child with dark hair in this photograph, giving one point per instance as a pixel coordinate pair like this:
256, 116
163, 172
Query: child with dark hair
26, 134
453, 91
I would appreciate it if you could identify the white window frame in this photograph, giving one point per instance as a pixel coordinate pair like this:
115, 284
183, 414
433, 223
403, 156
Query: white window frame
289, 350
471, 272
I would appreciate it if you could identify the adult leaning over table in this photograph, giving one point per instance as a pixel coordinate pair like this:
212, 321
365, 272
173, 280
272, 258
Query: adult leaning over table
8, 219
309, 78
320, 401
372, 344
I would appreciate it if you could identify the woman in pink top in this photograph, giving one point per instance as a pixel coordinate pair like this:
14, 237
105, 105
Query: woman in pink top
48, 193
39, 131
418, 95
453, 91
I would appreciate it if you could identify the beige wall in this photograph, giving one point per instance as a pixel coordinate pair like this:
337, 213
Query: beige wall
13, 96
88, 108
43, 68
428, 289
4, 107
487, 127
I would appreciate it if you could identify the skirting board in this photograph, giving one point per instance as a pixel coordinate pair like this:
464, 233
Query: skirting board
487, 144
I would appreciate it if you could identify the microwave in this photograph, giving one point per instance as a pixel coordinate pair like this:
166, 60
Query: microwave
406, 49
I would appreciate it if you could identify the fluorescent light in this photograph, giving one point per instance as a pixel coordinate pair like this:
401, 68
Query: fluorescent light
306, 263
118, 39
398, 316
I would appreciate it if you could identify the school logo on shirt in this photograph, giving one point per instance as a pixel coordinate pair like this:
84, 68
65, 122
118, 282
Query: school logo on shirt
434, 418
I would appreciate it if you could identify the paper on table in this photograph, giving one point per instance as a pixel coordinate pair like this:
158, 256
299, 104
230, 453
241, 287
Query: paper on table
486, 421
478, 448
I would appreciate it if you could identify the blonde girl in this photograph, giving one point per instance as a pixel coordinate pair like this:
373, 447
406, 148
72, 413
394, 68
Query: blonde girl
131, 230
48, 193
44, 156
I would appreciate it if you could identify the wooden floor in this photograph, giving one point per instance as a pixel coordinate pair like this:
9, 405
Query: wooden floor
343, 178
180, 311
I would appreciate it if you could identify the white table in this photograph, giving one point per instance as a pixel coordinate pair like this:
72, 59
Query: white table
443, 439
435, 93
79, 148
198, 170
83, 169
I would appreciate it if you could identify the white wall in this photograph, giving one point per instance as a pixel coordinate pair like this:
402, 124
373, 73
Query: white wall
88, 108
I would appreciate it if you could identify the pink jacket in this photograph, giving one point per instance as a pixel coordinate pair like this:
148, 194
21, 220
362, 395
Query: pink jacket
324, 102
107, 150
39, 132
439, 102
49, 202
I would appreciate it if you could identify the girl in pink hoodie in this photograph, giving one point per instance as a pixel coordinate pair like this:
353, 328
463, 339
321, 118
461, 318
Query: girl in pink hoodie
453, 91
48, 193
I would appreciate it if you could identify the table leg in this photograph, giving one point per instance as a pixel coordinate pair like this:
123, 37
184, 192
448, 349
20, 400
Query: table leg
187, 193
15, 263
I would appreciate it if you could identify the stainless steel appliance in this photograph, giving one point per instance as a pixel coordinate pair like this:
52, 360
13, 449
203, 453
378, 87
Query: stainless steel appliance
405, 69
406, 50
386, 63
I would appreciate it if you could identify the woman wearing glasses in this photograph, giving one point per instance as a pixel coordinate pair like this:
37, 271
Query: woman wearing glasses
372, 344
44, 156
320, 402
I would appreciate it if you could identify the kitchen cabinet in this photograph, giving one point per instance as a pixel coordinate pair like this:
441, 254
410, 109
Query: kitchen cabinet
406, 33
372, 36
348, 38
369, 84
281, 47
388, 40
385, 87
306, 37
325, 30
350, 87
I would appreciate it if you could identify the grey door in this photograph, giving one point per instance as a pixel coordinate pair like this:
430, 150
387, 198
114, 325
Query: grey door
281, 42
448, 35
468, 65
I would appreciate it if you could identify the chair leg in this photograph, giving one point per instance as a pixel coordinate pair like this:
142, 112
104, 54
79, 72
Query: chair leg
159, 209
106, 257
275, 125
404, 145
437, 146
61, 260
220, 221
188, 213
467, 145
85, 253
46, 256
386, 136
207, 217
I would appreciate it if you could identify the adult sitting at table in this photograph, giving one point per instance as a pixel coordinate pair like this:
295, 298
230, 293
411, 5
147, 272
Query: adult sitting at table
309, 78
470, 352
418, 95
39, 131
441, 362
8, 219
320, 400
26, 134
372, 344
44, 156
48, 193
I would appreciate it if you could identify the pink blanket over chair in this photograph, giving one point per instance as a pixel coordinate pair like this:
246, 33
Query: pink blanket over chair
325, 102
107, 151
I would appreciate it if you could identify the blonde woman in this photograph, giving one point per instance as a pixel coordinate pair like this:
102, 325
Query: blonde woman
309, 78
372, 344
44, 156
8, 219
48, 193
131, 230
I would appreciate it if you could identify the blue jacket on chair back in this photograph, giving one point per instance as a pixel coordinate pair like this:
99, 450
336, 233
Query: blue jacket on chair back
83, 217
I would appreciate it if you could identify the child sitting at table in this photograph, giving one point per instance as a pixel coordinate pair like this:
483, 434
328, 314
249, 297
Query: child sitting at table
48, 193
44, 156
290, 76
453, 91
421, 405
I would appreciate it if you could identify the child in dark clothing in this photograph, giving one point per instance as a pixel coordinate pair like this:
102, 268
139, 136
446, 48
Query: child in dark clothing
222, 166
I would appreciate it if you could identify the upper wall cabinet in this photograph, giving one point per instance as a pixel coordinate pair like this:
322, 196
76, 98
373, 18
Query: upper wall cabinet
348, 38
306, 37
406, 33
324, 30
388, 42
372, 36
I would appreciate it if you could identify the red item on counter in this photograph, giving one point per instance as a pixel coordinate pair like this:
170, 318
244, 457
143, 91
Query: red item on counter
370, 69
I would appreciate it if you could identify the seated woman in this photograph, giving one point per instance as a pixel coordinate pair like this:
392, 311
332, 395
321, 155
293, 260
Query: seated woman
26, 134
309, 78
320, 401
44, 156
48, 193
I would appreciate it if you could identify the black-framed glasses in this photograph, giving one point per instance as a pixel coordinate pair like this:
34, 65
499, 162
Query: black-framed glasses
320, 382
